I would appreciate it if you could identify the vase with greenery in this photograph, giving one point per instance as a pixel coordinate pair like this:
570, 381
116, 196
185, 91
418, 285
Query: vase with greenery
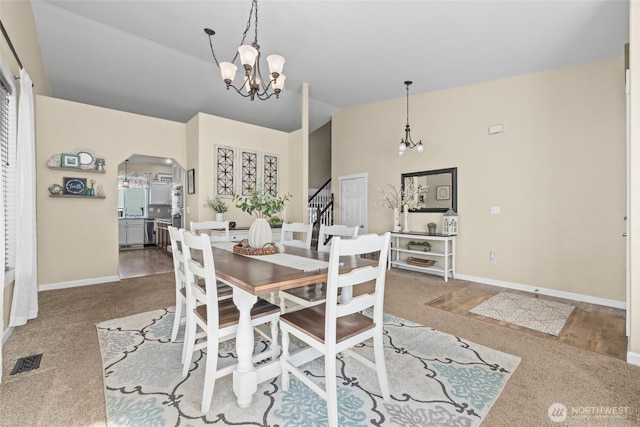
264, 205
218, 206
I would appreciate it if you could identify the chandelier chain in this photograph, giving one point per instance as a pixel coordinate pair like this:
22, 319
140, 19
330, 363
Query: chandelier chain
407, 105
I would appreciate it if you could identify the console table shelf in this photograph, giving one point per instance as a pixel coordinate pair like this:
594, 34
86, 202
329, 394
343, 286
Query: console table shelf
443, 252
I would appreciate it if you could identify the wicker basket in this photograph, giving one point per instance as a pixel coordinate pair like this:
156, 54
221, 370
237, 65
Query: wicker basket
267, 249
420, 262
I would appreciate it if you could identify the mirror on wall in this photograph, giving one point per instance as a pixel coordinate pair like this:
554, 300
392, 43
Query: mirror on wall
434, 190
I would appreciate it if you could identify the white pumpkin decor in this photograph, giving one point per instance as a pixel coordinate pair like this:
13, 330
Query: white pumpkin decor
264, 205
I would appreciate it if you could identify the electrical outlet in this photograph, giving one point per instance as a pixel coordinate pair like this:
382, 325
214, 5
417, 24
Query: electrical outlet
492, 257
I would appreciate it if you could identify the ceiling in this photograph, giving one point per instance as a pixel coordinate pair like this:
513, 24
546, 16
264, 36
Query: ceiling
153, 57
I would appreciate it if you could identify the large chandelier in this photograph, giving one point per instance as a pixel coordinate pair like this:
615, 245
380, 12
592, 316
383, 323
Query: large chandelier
253, 84
407, 142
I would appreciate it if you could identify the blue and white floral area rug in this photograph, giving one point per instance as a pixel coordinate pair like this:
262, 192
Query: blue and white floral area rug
435, 379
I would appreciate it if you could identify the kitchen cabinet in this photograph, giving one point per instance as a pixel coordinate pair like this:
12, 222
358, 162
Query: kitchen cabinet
160, 193
131, 232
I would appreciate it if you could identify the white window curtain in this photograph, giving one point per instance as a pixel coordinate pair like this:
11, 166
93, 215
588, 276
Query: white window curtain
25, 291
7, 80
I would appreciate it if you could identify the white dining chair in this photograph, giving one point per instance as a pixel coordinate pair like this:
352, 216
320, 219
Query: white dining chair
287, 236
328, 232
308, 296
209, 226
215, 321
334, 327
224, 290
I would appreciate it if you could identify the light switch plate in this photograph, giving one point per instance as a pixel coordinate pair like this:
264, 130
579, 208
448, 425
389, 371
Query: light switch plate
495, 210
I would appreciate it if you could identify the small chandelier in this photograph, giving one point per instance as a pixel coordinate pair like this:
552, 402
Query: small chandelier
125, 182
407, 142
253, 84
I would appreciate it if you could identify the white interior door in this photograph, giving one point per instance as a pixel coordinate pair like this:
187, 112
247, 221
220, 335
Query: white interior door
353, 201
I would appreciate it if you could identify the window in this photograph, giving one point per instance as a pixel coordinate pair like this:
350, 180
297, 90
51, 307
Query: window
7, 165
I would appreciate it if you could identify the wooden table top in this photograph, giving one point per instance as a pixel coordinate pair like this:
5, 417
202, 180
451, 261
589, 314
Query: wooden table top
259, 277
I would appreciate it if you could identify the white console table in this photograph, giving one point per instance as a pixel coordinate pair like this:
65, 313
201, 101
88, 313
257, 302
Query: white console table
240, 233
443, 251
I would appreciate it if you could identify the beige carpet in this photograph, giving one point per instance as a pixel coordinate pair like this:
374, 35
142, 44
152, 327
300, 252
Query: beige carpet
529, 312
68, 389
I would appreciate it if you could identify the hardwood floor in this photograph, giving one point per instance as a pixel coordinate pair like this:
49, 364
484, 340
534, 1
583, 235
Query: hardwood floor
144, 262
592, 327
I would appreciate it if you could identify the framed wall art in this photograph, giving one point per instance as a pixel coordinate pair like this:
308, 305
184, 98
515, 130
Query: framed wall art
191, 181
70, 161
74, 186
442, 192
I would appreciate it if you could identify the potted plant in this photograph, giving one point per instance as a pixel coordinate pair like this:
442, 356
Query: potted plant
218, 206
432, 228
263, 205
419, 246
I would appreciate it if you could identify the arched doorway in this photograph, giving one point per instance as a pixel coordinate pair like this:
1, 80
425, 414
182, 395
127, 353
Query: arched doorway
149, 200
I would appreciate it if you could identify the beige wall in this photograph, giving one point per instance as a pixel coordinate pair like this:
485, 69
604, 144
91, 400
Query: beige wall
18, 21
205, 132
557, 172
78, 238
320, 156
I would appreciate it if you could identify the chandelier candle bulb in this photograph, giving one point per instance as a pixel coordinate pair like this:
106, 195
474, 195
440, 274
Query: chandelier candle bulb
276, 64
228, 71
248, 55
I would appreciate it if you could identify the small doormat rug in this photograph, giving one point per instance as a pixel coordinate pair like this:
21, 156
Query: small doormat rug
434, 378
533, 313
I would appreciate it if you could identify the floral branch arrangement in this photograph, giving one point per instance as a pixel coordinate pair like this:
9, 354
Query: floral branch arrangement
395, 199
390, 199
262, 203
217, 205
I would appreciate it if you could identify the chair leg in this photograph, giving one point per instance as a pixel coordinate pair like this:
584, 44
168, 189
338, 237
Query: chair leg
284, 357
210, 372
189, 344
177, 318
381, 366
331, 389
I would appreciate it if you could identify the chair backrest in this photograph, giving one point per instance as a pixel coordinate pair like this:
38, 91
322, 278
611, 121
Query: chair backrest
354, 247
194, 248
178, 256
327, 232
199, 227
286, 235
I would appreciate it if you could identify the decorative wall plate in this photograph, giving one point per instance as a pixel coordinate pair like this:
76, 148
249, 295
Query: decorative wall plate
87, 157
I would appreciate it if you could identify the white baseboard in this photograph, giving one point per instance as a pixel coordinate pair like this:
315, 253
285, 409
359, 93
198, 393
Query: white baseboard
6, 334
76, 283
544, 291
633, 358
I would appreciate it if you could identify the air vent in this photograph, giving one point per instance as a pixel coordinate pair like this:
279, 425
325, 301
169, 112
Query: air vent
27, 364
